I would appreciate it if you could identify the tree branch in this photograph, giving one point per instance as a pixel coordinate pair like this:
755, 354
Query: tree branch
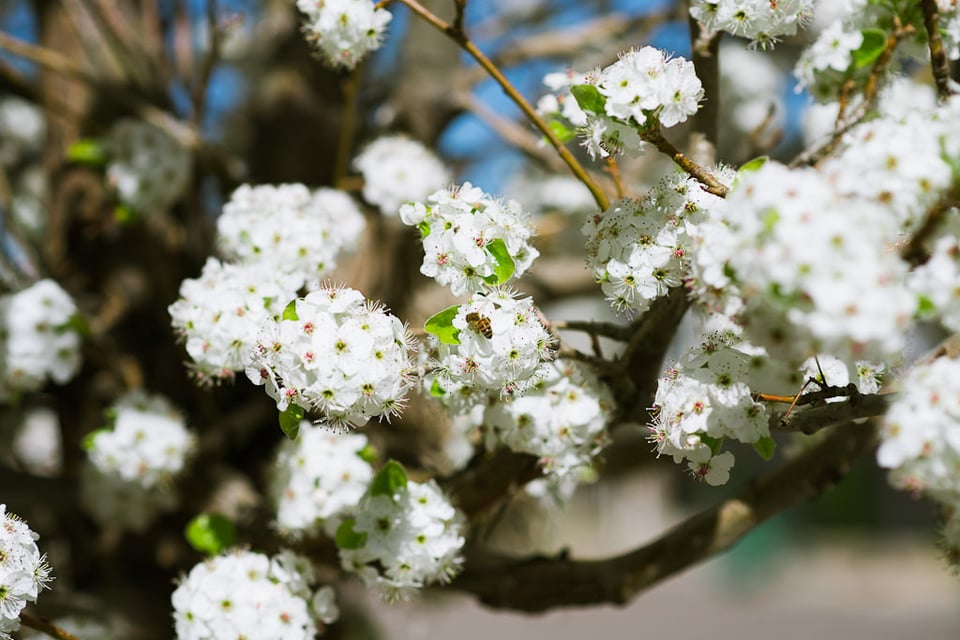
542, 583
939, 63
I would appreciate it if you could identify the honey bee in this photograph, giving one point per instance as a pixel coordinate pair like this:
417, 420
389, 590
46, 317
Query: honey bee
480, 324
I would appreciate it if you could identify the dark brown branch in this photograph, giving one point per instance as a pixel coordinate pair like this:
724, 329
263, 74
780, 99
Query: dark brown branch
490, 480
813, 419
914, 251
543, 583
45, 627
939, 63
709, 182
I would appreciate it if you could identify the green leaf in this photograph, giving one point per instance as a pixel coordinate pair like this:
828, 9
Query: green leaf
589, 98
290, 311
368, 454
87, 151
77, 323
441, 325
874, 42
424, 228
437, 391
562, 131
88, 440
925, 306
765, 447
504, 267
751, 166
347, 538
124, 214
290, 420
770, 220
390, 479
210, 533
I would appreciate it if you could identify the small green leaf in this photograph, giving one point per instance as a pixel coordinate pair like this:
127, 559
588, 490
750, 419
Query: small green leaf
124, 214
290, 420
347, 538
441, 325
424, 228
390, 479
589, 98
925, 306
77, 323
562, 131
88, 440
87, 151
290, 311
368, 454
770, 220
504, 267
210, 533
436, 391
751, 166
874, 42
765, 447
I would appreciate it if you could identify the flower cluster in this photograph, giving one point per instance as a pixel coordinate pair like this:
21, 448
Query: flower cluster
637, 248
39, 339
405, 534
335, 352
705, 398
470, 239
148, 168
824, 65
397, 170
23, 571
344, 31
494, 342
147, 442
561, 419
815, 269
317, 478
288, 228
761, 21
920, 437
249, 595
641, 91
218, 314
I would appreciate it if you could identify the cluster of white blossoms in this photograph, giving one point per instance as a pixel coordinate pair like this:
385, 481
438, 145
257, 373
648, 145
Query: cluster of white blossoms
706, 397
318, 478
249, 595
920, 437
495, 343
23, 570
471, 240
405, 534
147, 167
218, 314
147, 442
134, 461
935, 281
39, 339
561, 419
761, 21
896, 163
337, 353
344, 31
643, 90
815, 268
288, 228
823, 65
397, 170
638, 249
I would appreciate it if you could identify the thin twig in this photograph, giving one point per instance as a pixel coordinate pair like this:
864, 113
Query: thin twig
201, 84
610, 330
939, 63
709, 182
613, 168
43, 626
348, 125
914, 251
467, 45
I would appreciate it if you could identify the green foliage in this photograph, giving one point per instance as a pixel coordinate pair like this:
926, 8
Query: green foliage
390, 479
874, 42
440, 324
589, 98
290, 420
210, 533
348, 539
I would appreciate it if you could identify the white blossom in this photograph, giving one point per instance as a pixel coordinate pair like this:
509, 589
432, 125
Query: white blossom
336, 353
249, 595
761, 21
344, 31
24, 572
397, 170
148, 168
